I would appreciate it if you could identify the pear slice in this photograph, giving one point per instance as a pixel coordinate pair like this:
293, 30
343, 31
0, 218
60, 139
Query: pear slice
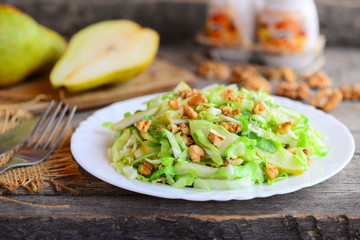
105, 53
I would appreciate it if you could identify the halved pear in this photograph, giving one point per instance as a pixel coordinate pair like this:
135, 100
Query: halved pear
105, 53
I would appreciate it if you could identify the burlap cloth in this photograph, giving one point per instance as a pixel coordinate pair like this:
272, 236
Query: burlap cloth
34, 178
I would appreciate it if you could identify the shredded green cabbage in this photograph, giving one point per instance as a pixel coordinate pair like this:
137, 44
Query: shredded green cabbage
214, 149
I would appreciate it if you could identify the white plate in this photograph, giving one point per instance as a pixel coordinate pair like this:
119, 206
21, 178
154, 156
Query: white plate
90, 142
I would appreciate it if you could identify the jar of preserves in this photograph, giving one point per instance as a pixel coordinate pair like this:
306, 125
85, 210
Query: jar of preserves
231, 26
288, 31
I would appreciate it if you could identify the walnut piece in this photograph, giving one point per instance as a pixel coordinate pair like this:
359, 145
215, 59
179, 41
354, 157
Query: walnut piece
226, 162
287, 74
307, 156
346, 92
196, 153
184, 129
173, 128
196, 99
327, 100
143, 125
187, 93
271, 171
273, 74
174, 104
243, 73
355, 92
214, 70
256, 84
228, 95
258, 108
146, 168
284, 127
227, 110
293, 90
237, 111
350, 92
231, 127
188, 111
215, 138
187, 139
318, 80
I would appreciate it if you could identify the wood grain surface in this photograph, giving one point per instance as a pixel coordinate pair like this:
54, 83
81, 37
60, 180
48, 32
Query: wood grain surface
329, 210
162, 75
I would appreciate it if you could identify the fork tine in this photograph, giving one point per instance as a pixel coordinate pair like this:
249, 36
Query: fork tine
64, 127
62, 114
39, 123
50, 122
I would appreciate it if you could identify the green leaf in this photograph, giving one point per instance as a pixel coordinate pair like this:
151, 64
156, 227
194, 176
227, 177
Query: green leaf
148, 117
107, 124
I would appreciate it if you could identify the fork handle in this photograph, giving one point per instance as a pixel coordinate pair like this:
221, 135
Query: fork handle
15, 161
5, 168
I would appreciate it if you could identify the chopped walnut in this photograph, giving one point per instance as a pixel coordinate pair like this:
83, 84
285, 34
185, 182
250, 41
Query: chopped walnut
355, 92
293, 90
258, 108
146, 168
236, 161
215, 138
173, 128
187, 139
256, 84
214, 70
228, 95
188, 111
346, 92
273, 74
231, 127
187, 93
174, 104
271, 171
237, 111
143, 125
284, 127
227, 110
196, 153
327, 100
307, 156
226, 162
287, 74
350, 92
318, 80
227, 91
184, 129
196, 99
243, 73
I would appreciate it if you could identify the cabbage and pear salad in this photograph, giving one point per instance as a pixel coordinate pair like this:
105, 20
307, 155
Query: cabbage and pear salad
220, 137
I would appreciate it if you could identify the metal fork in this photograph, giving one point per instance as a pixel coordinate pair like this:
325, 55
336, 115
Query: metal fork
44, 138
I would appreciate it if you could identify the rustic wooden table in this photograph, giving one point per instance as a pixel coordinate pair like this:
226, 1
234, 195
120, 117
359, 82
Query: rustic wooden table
329, 210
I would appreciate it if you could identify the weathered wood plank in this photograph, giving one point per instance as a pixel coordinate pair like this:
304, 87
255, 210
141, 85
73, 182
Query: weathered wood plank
183, 227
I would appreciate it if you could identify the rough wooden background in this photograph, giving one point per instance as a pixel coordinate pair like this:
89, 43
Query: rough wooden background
329, 210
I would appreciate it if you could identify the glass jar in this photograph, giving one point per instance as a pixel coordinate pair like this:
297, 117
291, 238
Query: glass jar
231, 24
287, 31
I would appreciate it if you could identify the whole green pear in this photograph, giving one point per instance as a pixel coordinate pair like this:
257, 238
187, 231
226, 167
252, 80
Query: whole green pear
26, 47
